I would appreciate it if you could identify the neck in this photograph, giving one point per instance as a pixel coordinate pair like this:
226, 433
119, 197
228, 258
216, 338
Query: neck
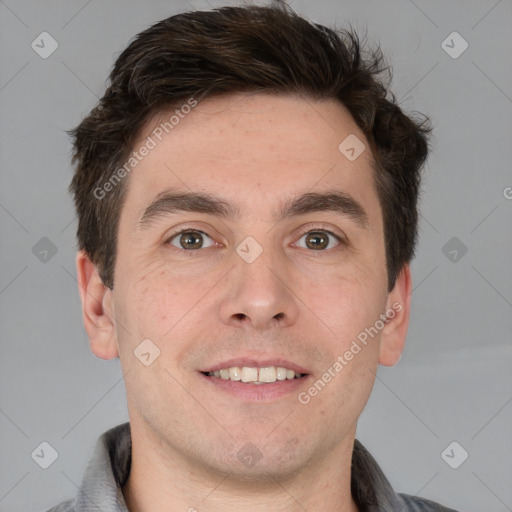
162, 479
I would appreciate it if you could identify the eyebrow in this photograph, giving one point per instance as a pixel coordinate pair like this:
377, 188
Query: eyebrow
170, 202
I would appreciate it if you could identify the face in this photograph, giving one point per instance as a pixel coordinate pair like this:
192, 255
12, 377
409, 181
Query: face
279, 283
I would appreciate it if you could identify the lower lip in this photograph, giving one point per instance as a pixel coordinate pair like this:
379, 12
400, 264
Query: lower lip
257, 392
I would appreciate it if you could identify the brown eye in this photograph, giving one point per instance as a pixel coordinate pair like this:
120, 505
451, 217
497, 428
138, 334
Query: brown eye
318, 240
189, 240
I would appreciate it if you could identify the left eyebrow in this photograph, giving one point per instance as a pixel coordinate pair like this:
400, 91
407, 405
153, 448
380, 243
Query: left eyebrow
337, 201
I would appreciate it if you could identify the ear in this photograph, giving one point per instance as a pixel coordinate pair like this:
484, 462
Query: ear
398, 309
97, 309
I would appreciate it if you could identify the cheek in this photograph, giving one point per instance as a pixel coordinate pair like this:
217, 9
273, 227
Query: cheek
159, 302
150, 303
165, 306
342, 306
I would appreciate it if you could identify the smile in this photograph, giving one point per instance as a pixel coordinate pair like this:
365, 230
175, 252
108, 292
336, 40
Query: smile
255, 375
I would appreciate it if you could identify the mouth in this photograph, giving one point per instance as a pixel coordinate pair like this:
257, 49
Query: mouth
255, 374
251, 380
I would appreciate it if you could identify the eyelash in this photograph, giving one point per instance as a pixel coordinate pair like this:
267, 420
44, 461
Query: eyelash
338, 238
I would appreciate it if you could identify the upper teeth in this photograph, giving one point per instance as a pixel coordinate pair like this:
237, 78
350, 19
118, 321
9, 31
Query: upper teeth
256, 375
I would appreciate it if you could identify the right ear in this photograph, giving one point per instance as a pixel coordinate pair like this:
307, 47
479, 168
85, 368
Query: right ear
97, 309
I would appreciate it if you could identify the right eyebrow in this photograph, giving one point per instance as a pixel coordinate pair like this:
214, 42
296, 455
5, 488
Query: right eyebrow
172, 202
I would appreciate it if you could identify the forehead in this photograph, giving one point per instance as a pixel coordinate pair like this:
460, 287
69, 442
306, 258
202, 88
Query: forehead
252, 149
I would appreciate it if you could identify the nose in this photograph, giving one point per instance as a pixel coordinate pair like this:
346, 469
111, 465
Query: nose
260, 294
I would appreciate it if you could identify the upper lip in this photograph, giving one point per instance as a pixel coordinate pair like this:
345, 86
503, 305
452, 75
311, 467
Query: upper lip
260, 363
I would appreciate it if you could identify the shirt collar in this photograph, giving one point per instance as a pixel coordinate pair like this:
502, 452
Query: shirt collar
110, 464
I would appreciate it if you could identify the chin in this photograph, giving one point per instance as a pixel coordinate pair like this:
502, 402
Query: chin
264, 461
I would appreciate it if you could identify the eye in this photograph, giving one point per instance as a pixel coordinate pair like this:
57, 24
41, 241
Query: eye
189, 239
318, 239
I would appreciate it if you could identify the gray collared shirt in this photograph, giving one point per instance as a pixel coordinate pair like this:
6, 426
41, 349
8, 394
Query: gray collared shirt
109, 467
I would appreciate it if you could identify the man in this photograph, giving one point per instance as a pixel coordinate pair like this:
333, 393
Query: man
247, 205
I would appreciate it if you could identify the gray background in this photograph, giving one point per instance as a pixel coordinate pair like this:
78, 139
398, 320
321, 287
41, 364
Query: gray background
454, 381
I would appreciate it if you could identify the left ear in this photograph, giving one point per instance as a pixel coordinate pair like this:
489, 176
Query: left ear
398, 308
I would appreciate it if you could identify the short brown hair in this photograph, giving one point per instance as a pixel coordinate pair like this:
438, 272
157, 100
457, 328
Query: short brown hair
246, 49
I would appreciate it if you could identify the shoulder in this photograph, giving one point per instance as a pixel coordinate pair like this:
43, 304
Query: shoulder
65, 506
415, 504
